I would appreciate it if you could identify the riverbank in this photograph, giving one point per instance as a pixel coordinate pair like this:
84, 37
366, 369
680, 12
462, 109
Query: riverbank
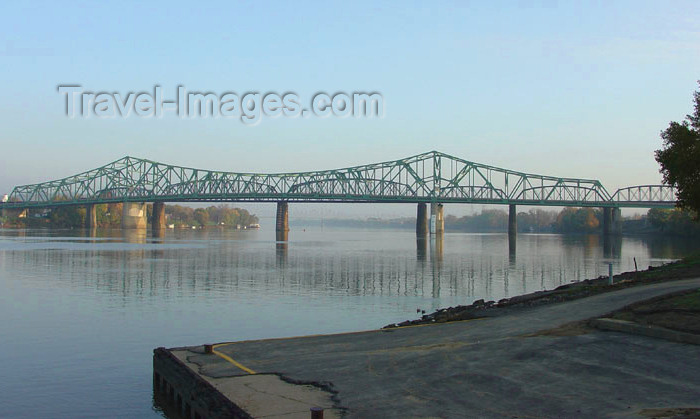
680, 312
514, 364
688, 267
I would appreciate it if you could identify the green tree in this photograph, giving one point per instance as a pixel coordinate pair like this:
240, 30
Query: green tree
201, 216
231, 217
536, 220
680, 158
581, 220
177, 214
67, 216
673, 221
659, 218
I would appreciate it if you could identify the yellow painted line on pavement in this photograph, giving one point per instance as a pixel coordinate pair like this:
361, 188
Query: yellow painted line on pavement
231, 360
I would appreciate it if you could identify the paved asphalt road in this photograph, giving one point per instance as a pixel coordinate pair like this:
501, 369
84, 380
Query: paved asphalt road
487, 368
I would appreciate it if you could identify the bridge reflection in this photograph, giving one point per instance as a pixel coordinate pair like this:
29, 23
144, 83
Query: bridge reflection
282, 248
217, 265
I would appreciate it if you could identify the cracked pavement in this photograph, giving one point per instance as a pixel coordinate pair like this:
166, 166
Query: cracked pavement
493, 367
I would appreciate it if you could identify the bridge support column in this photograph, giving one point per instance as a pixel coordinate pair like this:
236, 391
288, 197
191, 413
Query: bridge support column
437, 218
91, 217
616, 227
158, 218
512, 220
282, 221
134, 215
422, 220
607, 220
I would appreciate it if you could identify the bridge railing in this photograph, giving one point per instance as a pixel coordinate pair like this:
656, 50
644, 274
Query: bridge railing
646, 193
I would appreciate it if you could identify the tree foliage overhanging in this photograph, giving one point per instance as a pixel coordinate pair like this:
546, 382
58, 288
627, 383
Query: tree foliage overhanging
680, 158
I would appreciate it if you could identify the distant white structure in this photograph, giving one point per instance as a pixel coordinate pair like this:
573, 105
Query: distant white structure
5, 198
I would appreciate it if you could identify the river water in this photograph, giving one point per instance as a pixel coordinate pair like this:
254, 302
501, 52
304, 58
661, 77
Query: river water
80, 313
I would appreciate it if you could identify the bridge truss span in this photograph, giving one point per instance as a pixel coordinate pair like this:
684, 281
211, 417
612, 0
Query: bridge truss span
425, 178
644, 195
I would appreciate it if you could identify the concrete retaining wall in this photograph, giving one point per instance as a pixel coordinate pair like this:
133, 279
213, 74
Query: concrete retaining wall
184, 394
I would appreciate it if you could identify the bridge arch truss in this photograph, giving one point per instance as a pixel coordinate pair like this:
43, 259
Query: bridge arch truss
427, 177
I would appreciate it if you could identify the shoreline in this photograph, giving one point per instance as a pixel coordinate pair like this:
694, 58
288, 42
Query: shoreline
688, 267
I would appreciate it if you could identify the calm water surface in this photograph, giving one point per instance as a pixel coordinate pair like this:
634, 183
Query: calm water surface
80, 315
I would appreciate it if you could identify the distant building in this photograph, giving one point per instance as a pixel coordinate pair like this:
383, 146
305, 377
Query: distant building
5, 198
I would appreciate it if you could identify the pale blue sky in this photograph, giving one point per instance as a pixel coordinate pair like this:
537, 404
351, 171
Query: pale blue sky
559, 88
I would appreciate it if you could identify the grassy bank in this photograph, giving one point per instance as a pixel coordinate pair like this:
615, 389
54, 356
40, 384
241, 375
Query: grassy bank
678, 311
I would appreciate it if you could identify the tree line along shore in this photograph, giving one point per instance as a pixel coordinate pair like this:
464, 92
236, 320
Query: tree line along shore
568, 220
109, 216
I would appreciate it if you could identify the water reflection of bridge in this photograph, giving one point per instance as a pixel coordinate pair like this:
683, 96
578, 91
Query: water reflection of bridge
133, 263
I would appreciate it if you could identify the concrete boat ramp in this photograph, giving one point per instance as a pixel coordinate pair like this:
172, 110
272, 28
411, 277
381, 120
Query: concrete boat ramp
522, 364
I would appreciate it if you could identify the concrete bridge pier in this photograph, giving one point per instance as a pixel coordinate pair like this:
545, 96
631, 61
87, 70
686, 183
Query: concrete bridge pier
281, 236
437, 218
512, 220
158, 219
422, 220
134, 215
282, 221
607, 220
617, 220
91, 217
512, 232
512, 245
612, 221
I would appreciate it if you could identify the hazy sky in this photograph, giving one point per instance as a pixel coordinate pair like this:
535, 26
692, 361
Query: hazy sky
547, 87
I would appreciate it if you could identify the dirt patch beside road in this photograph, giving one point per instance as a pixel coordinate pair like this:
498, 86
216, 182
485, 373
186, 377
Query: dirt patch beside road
678, 311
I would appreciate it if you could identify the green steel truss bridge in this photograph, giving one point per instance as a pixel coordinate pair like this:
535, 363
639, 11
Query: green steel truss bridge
431, 177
